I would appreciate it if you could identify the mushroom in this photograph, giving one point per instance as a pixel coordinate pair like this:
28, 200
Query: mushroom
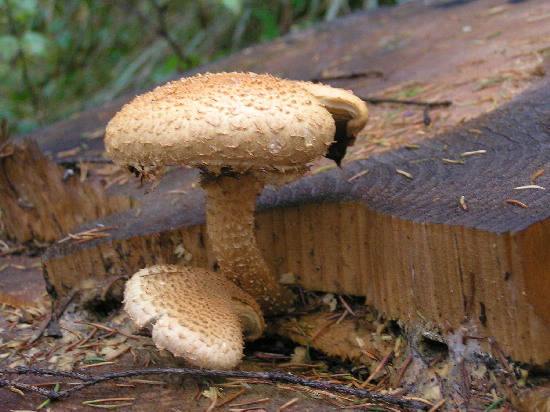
194, 313
243, 131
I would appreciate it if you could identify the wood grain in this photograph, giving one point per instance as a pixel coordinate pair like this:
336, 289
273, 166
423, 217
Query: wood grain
39, 202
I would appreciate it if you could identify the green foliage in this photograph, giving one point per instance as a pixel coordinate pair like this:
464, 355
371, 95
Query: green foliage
60, 56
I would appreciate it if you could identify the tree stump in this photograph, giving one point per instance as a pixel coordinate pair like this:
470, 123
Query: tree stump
435, 235
42, 201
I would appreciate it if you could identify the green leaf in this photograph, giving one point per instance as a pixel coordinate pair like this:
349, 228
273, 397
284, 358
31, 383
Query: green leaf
35, 44
235, 6
494, 405
9, 46
23, 9
97, 359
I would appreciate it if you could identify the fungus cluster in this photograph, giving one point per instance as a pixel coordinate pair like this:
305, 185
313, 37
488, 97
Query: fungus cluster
243, 131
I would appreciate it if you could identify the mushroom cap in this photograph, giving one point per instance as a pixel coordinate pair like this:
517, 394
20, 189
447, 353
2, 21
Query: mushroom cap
342, 105
241, 121
194, 313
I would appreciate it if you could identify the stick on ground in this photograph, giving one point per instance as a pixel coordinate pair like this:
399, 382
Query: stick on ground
274, 376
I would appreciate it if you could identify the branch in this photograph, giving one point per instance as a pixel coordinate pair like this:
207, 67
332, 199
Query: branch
25, 387
346, 75
427, 105
273, 376
376, 100
55, 314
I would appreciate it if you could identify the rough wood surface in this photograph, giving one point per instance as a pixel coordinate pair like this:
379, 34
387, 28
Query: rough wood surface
405, 243
39, 200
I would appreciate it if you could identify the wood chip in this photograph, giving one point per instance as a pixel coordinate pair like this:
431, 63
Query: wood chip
93, 365
402, 172
529, 187
516, 202
247, 403
286, 405
463, 204
472, 153
69, 153
457, 162
535, 176
13, 301
358, 175
437, 405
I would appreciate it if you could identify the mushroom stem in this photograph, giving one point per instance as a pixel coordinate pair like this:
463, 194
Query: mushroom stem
230, 204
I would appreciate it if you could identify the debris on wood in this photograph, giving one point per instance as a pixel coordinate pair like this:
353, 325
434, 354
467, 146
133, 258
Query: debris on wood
37, 203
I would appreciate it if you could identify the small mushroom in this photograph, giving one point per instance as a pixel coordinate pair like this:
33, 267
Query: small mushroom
194, 313
243, 131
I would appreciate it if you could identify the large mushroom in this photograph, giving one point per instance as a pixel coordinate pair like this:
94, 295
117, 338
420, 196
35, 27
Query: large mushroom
243, 131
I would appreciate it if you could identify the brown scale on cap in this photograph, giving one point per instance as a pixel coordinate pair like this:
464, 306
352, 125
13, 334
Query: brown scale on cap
241, 120
194, 313
243, 130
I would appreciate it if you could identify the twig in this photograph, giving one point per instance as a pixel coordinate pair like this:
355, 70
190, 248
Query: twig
321, 329
286, 405
74, 160
14, 251
55, 314
231, 398
378, 369
516, 202
401, 373
533, 177
437, 405
88, 235
273, 376
23, 386
351, 75
345, 304
108, 329
427, 105
26, 370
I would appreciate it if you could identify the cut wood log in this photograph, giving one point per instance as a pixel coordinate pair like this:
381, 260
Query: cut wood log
477, 268
42, 201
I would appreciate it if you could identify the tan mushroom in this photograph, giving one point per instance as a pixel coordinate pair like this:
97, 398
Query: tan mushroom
194, 313
243, 131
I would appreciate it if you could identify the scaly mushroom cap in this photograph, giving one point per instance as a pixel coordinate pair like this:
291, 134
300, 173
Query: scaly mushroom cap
241, 121
194, 313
